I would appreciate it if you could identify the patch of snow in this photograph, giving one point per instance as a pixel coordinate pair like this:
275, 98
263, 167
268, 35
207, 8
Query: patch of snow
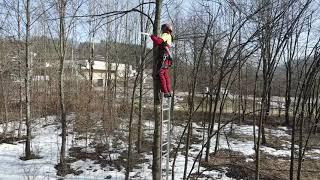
179, 167
276, 152
196, 126
94, 171
88, 150
144, 172
317, 151
244, 129
248, 130
114, 156
313, 154
178, 107
283, 128
181, 94
279, 133
244, 147
216, 175
45, 144
249, 160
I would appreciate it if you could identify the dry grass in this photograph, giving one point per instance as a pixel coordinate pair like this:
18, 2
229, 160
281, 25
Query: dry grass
272, 168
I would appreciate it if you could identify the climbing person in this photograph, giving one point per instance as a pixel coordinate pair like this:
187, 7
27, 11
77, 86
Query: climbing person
165, 57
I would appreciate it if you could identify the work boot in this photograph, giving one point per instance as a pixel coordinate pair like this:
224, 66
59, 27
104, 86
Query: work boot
167, 95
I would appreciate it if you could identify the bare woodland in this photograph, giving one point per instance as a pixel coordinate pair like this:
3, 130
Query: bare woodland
253, 64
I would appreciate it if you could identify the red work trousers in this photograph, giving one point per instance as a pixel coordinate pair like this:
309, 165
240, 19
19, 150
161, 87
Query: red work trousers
165, 80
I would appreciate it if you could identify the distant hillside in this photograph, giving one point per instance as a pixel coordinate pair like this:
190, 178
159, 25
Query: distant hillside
117, 52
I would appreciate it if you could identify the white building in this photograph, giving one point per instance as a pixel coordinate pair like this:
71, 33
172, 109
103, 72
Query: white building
100, 68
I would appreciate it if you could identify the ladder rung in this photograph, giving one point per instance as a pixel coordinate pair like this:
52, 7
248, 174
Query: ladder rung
165, 120
165, 109
164, 154
164, 144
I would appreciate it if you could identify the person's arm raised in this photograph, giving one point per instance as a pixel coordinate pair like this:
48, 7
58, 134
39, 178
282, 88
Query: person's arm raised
156, 39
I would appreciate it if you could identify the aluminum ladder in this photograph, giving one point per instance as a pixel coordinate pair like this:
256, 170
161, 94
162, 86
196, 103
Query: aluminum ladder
165, 134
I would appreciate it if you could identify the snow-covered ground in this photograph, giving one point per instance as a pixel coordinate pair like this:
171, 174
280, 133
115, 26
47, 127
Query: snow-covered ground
46, 143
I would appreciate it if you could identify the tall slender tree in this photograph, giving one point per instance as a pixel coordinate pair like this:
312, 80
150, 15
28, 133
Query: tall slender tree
27, 81
156, 163
62, 51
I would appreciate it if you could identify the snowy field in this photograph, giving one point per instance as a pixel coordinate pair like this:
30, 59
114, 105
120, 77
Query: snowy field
46, 143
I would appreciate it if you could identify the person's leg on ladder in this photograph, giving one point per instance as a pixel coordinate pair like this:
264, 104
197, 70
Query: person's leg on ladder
168, 81
163, 81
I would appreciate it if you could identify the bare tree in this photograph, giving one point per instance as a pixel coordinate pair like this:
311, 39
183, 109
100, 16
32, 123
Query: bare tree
27, 83
272, 41
20, 71
143, 40
5, 100
156, 166
62, 51
197, 61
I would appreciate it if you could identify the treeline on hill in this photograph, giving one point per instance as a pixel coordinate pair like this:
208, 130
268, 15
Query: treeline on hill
44, 48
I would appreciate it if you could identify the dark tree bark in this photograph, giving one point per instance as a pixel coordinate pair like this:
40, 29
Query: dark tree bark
20, 72
28, 83
142, 62
156, 163
62, 49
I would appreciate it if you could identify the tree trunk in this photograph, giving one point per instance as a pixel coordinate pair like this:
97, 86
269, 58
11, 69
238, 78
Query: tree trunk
209, 114
301, 120
106, 92
209, 132
293, 131
4, 97
265, 118
192, 92
28, 83
20, 73
288, 94
156, 166
254, 106
62, 43
141, 65
129, 157
240, 79
187, 151
245, 95
262, 112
